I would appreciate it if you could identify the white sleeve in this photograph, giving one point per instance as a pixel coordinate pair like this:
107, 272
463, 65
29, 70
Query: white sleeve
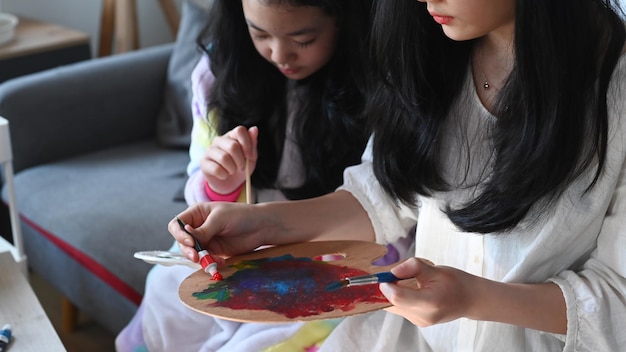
596, 295
390, 221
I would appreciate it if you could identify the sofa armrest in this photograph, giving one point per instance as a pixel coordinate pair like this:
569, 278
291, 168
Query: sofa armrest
84, 107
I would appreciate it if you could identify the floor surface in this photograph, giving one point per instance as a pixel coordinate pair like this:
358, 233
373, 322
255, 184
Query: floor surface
88, 336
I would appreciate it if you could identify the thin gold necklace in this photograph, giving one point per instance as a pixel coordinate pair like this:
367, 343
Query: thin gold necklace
478, 68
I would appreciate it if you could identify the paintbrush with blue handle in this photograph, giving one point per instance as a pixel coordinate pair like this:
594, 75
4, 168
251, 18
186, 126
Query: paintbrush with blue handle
363, 280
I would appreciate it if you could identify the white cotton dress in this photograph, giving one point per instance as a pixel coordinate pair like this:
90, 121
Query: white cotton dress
580, 245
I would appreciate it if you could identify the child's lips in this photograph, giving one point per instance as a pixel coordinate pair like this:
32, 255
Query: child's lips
288, 70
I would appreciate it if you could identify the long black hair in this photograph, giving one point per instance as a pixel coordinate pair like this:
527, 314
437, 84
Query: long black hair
329, 127
551, 114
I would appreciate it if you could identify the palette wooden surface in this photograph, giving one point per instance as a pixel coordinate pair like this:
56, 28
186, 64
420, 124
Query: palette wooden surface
354, 255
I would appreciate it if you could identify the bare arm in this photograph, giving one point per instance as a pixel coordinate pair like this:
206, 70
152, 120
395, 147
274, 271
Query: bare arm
536, 306
229, 228
335, 216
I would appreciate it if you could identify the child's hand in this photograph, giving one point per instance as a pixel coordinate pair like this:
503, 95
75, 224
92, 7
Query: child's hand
443, 293
224, 162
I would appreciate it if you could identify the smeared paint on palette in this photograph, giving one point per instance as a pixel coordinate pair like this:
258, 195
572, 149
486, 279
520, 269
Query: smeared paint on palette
284, 284
293, 287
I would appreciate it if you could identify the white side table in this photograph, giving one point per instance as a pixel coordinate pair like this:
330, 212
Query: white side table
6, 158
19, 306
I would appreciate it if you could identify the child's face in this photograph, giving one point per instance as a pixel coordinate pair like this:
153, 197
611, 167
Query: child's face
297, 40
470, 19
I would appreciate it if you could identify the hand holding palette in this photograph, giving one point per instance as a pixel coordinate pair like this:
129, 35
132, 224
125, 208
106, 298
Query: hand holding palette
289, 283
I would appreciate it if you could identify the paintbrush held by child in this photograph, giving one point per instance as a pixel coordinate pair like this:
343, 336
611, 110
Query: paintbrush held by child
499, 133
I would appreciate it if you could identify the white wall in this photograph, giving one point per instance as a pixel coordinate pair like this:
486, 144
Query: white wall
84, 15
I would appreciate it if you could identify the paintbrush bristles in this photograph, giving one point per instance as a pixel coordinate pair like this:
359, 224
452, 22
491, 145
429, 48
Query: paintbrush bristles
337, 285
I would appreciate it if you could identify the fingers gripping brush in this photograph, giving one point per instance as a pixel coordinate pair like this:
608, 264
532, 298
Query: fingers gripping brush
209, 265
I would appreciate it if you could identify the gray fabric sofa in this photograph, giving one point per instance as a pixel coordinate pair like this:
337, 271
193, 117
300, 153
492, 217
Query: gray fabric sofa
100, 151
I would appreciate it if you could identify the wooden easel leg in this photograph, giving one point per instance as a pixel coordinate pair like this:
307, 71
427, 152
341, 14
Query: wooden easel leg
171, 14
119, 21
69, 315
107, 25
126, 29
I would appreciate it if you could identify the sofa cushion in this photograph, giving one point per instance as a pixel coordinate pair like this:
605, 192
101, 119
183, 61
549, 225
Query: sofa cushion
100, 208
175, 120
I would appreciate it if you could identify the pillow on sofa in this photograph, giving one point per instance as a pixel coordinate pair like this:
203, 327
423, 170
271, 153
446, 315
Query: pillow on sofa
175, 120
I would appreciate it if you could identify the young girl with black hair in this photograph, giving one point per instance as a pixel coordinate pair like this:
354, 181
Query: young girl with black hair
499, 131
302, 89
281, 88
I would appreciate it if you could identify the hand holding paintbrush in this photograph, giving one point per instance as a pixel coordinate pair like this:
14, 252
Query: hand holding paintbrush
369, 279
209, 265
228, 163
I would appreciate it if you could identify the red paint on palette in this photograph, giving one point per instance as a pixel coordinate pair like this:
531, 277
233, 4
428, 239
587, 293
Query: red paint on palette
293, 287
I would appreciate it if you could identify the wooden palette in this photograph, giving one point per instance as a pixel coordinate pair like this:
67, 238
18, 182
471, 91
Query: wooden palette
289, 283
